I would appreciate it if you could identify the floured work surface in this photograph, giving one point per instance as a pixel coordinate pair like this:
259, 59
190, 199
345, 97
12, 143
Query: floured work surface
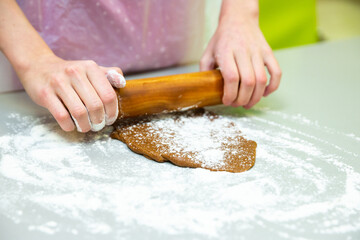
196, 138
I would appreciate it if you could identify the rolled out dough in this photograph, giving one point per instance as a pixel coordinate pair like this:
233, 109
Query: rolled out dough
196, 138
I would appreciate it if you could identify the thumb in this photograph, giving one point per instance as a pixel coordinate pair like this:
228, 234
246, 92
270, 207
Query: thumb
115, 77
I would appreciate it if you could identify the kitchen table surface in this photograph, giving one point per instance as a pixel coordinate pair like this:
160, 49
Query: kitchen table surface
305, 183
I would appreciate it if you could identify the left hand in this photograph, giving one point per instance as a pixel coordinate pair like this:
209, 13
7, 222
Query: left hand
240, 50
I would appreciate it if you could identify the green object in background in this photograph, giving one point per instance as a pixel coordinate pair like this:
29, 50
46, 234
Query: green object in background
287, 23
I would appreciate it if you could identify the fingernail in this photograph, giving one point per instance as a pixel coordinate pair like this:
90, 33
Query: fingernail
110, 121
95, 127
76, 124
116, 79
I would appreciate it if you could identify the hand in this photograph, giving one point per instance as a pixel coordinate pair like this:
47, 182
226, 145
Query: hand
240, 50
75, 92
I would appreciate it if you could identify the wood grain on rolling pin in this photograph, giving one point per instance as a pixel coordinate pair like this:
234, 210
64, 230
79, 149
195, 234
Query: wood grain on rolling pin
170, 93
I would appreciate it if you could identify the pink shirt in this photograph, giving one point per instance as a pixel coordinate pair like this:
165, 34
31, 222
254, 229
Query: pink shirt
134, 35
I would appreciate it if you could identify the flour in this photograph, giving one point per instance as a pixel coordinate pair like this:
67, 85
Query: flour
78, 128
97, 127
303, 185
200, 138
116, 79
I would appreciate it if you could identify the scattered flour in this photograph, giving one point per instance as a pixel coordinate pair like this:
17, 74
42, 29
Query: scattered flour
303, 185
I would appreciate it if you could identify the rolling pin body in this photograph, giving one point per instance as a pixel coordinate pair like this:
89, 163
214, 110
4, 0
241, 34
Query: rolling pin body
170, 93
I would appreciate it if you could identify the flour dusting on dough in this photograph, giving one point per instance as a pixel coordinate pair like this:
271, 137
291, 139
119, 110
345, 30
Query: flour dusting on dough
195, 138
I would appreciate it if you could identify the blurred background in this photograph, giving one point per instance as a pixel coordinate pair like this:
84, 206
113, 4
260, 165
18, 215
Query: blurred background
338, 19
289, 23
308, 21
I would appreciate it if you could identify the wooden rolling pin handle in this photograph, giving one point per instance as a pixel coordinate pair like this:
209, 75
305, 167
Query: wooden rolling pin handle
170, 93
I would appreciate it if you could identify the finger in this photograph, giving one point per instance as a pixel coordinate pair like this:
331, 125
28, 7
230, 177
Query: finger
61, 115
247, 76
106, 69
260, 81
115, 77
275, 74
105, 91
76, 108
207, 62
89, 97
231, 77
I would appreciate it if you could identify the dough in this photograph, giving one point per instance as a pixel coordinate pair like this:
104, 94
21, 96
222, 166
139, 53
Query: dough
196, 138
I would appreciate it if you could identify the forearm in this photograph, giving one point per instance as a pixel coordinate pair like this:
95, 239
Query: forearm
73, 91
19, 41
239, 10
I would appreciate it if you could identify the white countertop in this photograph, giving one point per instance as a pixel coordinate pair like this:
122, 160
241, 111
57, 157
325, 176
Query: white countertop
305, 183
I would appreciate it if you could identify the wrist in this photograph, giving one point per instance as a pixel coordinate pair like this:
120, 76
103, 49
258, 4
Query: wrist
239, 11
32, 60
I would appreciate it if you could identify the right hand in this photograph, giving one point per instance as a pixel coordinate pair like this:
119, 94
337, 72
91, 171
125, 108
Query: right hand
73, 90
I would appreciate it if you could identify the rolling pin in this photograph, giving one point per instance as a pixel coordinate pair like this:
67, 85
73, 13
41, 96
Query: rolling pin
170, 93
